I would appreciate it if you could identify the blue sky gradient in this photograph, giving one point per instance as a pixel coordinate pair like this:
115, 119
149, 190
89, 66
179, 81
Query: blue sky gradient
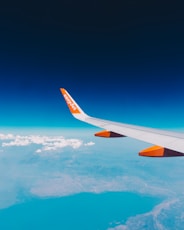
122, 62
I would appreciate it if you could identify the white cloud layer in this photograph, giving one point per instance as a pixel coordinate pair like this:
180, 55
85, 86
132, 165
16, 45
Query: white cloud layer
89, 143
47, 143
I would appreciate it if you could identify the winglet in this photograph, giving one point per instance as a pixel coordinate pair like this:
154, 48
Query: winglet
72, 105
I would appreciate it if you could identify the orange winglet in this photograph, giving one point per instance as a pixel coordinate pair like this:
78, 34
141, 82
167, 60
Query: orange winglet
71, 104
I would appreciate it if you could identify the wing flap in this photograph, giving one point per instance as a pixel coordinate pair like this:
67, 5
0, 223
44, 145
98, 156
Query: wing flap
158, 151
108, 134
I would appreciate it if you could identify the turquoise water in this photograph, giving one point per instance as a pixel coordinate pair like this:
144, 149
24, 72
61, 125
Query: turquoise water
84, 211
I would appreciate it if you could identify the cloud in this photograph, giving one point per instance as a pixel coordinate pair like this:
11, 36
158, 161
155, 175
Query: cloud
59, 143
89, 143
62, 184
6, 136
47, 143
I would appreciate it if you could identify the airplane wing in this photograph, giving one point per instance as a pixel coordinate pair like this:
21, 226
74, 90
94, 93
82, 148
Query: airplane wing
166, 144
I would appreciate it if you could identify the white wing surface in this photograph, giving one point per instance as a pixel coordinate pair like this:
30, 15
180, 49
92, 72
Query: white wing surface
166, 144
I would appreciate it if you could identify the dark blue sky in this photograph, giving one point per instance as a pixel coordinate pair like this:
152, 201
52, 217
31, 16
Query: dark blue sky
120, 61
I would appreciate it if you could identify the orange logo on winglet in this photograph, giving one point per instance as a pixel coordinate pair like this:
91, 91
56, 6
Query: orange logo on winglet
71, 104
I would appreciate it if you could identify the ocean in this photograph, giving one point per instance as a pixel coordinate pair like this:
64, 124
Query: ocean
84, 211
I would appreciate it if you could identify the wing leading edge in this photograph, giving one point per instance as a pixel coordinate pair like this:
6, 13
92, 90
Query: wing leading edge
166, 144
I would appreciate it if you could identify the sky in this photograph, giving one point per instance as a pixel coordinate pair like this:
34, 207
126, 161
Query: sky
120, 61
